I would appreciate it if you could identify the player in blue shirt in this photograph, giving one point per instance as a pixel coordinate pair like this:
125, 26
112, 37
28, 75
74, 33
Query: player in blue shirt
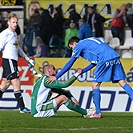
108, 66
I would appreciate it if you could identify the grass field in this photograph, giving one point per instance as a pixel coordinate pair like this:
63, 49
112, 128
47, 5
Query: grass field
65, 122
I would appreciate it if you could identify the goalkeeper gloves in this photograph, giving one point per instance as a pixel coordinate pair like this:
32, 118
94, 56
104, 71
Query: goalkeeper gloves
32, 62
32, 69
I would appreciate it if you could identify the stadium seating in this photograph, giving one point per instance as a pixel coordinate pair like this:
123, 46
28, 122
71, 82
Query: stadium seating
114, 42
128, 44
101, 38
127, 55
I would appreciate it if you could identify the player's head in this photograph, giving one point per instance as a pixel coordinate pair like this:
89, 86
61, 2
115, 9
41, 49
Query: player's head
49, 70
12, 22
73, 42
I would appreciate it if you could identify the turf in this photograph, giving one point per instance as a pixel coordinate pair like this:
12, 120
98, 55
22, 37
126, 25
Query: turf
65, 122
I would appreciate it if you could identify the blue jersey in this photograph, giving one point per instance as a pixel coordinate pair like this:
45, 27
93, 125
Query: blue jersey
94, 50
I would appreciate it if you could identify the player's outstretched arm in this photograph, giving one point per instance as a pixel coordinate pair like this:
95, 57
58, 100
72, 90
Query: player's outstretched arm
64, 69
59, 84
88, 68
22, 54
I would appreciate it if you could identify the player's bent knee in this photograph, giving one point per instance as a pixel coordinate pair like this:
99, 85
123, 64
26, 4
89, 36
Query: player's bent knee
64, 98
5, 83
95, 85
122, 83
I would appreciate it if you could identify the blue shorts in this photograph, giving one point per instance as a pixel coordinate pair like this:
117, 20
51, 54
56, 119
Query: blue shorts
111, 70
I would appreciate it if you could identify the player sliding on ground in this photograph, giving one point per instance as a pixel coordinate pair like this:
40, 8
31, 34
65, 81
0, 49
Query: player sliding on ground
106, 60
41, 103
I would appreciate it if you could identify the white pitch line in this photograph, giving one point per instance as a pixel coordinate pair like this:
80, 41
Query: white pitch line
69, 129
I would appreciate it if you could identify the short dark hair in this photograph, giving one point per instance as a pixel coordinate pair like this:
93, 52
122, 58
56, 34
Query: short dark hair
72, 40
129, 5
91, 7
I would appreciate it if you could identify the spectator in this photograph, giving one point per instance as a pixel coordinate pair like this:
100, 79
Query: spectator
41, 49
84, 30
118, 23
71, 31
58, 21
95, 21
129, 16
35, 18
2, 27
73, 15
29, 39
32, 7
46, 27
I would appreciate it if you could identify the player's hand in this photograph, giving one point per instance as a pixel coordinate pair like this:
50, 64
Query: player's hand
50, 79
79, 70
30, 65
32, 62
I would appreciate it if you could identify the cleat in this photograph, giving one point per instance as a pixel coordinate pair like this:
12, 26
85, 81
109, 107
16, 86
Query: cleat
25, 110
90, 112
94, 115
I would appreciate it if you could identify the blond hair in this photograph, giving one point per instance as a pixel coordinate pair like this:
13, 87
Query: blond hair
12, 16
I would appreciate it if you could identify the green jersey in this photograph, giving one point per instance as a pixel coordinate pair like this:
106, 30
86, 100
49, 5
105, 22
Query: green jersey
42, 90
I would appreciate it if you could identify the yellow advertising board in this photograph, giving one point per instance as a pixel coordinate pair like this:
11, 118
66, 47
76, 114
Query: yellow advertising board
104, 7
86, 78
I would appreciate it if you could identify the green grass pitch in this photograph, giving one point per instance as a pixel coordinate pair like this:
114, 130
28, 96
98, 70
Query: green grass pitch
65, 122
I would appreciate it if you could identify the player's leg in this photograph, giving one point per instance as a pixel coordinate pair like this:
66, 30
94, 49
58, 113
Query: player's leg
73, 106
6, 71
70, 104
96, 96
102, 73
120, 76
11, 73
4, 86
127, 88
18, 95
49, 108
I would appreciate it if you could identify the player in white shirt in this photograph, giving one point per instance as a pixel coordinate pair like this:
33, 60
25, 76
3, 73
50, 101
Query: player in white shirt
10, 49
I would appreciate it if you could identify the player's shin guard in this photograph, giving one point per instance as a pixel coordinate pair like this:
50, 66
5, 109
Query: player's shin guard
128, 90
19, 99
72, 106
97, 99
1, 93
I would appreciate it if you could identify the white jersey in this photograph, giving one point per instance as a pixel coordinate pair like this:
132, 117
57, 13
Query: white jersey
9, 44
42, 93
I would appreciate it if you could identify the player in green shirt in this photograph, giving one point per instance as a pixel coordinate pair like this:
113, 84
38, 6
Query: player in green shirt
42, 105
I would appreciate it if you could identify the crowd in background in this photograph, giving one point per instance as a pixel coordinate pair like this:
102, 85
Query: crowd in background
47, 36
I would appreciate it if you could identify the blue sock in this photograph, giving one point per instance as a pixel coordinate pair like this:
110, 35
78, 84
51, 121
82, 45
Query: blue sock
128, 90
97, 99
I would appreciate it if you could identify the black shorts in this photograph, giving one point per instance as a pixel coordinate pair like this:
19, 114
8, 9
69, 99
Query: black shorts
10, 69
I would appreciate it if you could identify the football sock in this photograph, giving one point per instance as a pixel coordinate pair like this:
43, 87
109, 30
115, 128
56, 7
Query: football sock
1, 92
19, 99
128, 90
72, 106
97, 99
